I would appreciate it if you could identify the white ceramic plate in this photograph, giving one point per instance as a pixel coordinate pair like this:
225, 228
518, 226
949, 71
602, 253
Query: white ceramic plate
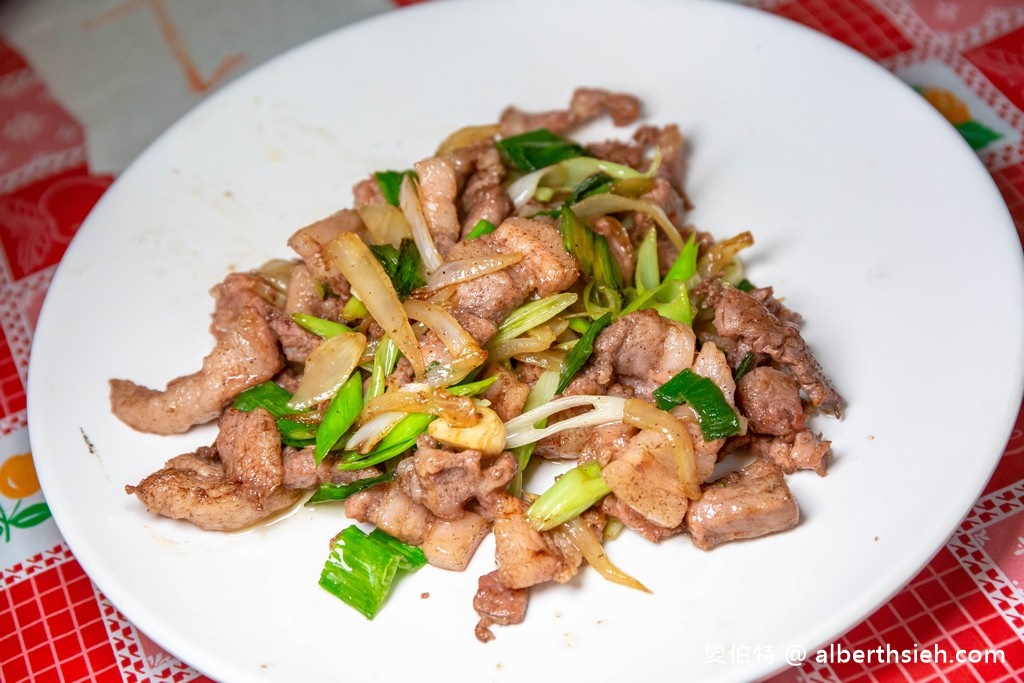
872, 218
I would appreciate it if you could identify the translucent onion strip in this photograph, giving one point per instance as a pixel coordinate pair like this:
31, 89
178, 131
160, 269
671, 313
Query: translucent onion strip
384, 223
458, 411
643, 415
371, 284
466, 353
601, 204
536, 340
454, 272
367, 436
521, 430
409, 201
327, 368
580, 534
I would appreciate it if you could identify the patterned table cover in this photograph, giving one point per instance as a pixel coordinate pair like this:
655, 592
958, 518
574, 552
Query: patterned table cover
85, 86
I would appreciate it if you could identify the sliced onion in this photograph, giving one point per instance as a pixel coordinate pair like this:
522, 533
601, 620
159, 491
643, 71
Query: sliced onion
327, 368
536, 340
601, 204
453, 272
466, 353
385, 224
467, 136
579, 533
458, 411
367, 436
371, 284
549, 360
720, 259
643, 415
409, 200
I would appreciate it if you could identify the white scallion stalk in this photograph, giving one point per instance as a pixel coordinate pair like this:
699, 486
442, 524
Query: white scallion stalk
371, 284
327, 368
522, 429
409, 201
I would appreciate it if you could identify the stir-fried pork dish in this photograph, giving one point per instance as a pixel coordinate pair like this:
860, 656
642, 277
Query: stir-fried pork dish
516, 296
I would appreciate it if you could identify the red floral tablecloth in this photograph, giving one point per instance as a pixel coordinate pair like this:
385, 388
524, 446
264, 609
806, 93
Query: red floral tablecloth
85, 86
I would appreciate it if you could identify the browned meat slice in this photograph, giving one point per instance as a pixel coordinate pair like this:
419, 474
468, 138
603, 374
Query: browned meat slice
507, 395
302, 472
804, 450
194, 488
751, 502
614, 507
451, 543
234, 293
497, 604
644, 475
644, 350
546, 268
438, 191
391, 511
444, 481
367, 193
587, 104
308, 242
248, 356
770, 399
526, 556
742, 317
607, 440
492, 205
249, 445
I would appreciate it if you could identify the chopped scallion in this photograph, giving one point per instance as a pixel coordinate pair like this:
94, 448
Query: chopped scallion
580, 352
570, 496
717, 418
538, 148
482, 227
341, 412
328, 492
361, 568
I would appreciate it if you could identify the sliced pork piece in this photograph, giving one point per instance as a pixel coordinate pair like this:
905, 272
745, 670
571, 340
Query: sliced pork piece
751, 502
392, 511
613, 507
804, 450
249, 445
248, 356
308, 242
438, 191
645, 350
497, 605
526, 556
301, 471
444, 481
770, 399
450, 543
235, 292
507, 395
492, 205
645, 476
587, 104
742, 317
195, 488
546, 268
